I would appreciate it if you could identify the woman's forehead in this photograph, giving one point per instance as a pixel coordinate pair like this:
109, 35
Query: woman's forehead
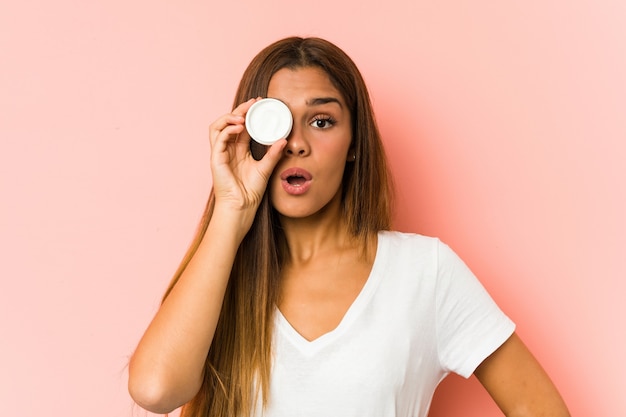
309, 85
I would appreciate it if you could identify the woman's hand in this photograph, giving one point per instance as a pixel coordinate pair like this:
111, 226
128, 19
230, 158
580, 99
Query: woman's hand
239, 181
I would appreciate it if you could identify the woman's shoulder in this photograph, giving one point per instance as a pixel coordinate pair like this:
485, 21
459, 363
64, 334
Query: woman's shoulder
415, 245
399, 237
409, 246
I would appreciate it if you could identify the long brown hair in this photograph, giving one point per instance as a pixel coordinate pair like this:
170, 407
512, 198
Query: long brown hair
238, 364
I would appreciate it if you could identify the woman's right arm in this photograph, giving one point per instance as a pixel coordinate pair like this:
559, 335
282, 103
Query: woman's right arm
167, 367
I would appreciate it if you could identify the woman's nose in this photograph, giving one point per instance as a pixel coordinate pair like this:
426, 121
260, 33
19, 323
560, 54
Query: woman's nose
297, 145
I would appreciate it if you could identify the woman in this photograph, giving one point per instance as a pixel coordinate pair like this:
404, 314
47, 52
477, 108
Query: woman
295, 299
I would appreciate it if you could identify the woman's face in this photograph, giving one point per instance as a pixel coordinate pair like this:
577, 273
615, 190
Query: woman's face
309, 176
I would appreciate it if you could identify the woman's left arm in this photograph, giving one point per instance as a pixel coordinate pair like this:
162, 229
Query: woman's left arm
518, 384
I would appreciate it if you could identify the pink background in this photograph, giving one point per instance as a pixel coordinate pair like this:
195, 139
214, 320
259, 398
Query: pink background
504, 123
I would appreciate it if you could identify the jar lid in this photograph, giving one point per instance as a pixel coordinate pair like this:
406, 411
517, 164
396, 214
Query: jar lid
268, 121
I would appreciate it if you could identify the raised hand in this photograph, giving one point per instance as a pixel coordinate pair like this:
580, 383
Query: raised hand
239, 181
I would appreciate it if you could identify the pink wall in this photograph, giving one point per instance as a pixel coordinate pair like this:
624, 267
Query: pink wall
504, 124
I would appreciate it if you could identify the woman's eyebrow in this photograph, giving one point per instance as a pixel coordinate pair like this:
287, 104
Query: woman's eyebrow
322, 100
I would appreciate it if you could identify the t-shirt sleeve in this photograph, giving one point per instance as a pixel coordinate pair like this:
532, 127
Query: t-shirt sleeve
470, 326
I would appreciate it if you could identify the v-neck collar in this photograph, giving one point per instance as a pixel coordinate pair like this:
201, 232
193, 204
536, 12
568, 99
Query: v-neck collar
311, 347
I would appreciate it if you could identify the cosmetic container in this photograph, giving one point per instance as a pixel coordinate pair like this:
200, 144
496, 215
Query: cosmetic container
268, 121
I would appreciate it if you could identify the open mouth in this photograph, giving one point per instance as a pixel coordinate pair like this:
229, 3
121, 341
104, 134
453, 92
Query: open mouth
296, 180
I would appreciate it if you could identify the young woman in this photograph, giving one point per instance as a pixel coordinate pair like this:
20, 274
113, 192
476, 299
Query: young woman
295, 299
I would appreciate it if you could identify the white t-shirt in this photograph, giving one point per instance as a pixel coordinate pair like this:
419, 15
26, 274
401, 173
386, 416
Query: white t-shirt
420, 315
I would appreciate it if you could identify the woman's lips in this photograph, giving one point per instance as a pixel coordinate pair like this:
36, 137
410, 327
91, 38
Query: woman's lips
296, 181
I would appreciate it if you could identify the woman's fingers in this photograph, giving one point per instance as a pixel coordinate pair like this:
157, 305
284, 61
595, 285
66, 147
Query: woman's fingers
235, 118
271, 158
222, 138
224, 127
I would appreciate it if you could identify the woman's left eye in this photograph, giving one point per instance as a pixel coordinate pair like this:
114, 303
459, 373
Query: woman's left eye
323, 122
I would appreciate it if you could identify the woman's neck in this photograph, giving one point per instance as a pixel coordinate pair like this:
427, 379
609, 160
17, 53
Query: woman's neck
322, 234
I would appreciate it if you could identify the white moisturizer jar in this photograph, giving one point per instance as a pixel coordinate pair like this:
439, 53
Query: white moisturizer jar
268, 121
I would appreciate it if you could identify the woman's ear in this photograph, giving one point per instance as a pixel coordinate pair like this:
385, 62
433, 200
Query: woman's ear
351, 155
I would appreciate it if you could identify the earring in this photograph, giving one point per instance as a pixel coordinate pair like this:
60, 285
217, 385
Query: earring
352, 157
